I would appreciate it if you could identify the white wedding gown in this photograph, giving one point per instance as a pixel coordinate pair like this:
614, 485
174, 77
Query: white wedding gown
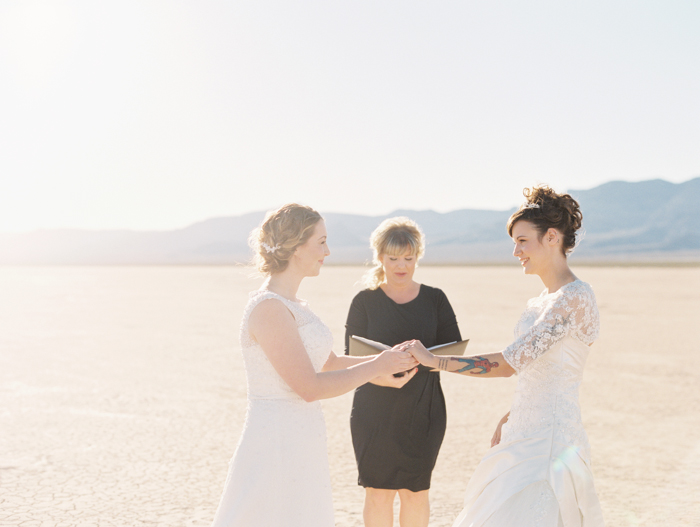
279, 474
539, 475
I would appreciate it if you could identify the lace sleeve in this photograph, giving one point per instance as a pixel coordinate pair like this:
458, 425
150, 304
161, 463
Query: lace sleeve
572, 311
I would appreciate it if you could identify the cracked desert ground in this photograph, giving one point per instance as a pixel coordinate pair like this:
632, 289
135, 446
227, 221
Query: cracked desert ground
122, 390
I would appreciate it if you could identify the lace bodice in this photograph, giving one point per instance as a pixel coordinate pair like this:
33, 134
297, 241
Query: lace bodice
549, 354
570, 311
263, 380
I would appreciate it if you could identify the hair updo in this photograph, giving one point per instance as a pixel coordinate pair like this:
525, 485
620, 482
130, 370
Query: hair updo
546, 209
393, 237
282, 231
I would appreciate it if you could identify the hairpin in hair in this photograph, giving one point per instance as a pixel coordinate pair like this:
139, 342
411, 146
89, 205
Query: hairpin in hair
531, 206
268, 248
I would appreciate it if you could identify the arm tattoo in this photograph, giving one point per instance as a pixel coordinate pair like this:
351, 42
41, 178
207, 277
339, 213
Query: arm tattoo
475, 363
443, 363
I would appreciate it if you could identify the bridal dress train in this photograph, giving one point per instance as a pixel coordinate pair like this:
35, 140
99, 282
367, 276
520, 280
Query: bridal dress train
279, 474
540, 473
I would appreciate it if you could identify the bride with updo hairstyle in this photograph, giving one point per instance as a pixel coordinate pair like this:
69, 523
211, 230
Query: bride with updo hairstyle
546, 209
292, 225
538, 470
279, 474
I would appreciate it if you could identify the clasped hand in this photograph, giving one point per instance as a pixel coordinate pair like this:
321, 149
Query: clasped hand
419, 352
397, 361
406, 356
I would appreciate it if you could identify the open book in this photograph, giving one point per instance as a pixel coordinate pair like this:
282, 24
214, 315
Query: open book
362, 347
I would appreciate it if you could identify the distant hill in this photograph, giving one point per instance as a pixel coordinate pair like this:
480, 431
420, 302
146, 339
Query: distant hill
643, 218
646, 221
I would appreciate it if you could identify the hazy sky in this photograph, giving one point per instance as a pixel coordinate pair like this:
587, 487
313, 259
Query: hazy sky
154, 115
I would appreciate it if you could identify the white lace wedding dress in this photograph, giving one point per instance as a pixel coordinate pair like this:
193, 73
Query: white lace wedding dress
539, 475
279, 475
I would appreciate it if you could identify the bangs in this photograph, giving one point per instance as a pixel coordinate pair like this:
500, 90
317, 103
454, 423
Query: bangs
399, 243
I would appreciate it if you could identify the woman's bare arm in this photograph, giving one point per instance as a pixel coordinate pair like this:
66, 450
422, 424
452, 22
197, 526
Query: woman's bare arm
273, 326
497, 434
340, 362
337, 362
489, 365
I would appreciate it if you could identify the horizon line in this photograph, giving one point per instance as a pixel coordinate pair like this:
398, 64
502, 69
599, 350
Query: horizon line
262, 211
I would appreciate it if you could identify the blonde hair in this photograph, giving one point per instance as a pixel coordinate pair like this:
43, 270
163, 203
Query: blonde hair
282, 231
393, 237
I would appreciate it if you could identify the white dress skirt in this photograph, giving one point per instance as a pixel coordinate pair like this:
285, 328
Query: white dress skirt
540, 473
279, 474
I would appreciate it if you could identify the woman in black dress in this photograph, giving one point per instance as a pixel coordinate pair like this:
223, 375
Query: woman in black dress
397, 433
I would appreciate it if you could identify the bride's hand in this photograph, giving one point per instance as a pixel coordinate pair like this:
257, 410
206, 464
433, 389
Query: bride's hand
497, 434
421, 354
394, 361
390, 381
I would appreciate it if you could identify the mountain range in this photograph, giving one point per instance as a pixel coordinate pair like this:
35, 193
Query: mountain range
648, 221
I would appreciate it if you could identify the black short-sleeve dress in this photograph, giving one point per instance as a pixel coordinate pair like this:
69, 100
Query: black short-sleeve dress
397, 433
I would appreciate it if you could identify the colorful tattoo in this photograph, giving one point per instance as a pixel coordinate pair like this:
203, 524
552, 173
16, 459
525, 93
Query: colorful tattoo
472, 363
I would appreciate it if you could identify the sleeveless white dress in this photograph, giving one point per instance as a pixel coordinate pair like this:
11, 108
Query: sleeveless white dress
540, 475
279, 473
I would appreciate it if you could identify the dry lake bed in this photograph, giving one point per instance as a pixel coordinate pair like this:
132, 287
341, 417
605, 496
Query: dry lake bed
122, 390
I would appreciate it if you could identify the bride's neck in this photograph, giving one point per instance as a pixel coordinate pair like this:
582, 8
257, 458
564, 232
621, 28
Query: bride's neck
557, 276
285, 284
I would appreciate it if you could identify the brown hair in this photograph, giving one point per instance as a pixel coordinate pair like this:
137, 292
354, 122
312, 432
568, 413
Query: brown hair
546, 209
282, 231
393, 237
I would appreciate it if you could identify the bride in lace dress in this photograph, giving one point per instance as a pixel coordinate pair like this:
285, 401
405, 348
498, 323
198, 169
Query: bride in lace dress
279, 473
538, 471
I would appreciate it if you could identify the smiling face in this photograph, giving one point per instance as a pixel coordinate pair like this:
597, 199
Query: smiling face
309, 257
399, 269
530, 248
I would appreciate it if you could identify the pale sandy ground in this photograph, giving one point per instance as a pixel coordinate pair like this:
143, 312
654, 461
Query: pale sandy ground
122, 391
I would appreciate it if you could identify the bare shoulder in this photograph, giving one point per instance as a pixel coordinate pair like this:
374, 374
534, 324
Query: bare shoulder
270, 312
